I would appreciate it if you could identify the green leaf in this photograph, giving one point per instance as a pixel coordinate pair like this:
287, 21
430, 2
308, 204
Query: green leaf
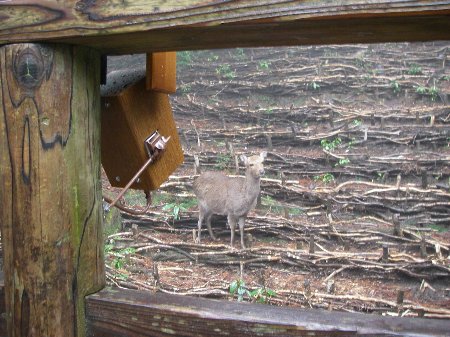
270, 292
233, 287
108, 248
118, 263
176, 212
255, 293
167, 207
241, 291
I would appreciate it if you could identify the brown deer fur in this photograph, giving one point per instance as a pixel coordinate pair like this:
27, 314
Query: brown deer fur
230, 196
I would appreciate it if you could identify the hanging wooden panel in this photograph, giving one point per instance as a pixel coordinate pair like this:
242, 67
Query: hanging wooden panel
128, 118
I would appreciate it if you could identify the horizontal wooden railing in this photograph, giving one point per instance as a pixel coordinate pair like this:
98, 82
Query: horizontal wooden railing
117, 27
114, 312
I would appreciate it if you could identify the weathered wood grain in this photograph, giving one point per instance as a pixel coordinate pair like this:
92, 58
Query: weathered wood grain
118, 27
115, 313
50, 191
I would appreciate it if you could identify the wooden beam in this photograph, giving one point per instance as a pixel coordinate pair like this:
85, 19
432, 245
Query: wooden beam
50, 190
161, 72
118, 27
115, 313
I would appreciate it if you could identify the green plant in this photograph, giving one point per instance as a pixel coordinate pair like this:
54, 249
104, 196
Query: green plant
223, 160
175, 209
108, 247
272, 204
414, 69
119, 256
268, 111
240, 54
326, 178
212, 58
295, 211
395, 86
162, 198
260, 295
356, 122
351, 143
330, 145
360, 61
263, 65
314, 85
381, 175
185, 88
438, 228
446, 78
224, 70
135, 198
433, 91
343, 162
184, 58
420, 89
238, 287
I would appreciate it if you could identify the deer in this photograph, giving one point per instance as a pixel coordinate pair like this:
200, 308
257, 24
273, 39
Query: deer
234, 197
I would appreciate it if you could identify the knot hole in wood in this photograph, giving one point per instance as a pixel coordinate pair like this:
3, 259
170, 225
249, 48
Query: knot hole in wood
30, 65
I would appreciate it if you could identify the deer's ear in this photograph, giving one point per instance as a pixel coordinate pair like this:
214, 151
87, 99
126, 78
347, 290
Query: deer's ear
244, 158
263, 155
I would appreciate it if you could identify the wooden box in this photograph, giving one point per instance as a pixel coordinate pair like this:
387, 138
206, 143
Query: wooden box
127, 120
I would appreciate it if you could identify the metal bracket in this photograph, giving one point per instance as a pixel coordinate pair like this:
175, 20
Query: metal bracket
155, 145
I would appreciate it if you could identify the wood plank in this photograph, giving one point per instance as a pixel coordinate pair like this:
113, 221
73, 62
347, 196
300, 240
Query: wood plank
162, 72
3, 329
114, 312
50, 191
118, 27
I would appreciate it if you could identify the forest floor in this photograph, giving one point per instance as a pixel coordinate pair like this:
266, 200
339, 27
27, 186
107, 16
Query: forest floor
354, 213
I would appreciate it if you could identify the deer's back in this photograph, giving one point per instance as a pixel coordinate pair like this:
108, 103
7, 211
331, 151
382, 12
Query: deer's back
220, 194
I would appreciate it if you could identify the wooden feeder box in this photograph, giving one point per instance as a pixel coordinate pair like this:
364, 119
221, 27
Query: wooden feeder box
129, 117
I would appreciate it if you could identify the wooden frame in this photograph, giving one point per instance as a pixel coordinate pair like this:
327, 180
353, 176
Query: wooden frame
140, 313
122, 28
110, 27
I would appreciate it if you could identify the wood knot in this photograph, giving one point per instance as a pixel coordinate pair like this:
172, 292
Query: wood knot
29, 67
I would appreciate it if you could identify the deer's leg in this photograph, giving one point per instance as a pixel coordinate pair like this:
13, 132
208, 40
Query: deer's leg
208, 224
241, 230
201, 216
232, 223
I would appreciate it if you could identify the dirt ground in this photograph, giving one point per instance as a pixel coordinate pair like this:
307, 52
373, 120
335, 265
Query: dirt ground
358, 141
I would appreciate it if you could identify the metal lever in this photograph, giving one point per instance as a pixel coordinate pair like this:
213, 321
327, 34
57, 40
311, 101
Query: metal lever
155, 145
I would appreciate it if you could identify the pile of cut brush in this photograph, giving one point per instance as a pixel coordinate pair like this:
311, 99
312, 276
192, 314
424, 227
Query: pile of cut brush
354, 211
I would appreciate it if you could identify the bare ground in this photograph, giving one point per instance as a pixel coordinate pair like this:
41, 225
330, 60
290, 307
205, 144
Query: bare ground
359, 152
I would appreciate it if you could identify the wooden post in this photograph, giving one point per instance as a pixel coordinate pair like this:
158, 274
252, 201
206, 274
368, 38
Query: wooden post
397, 228
50, 190
311, 244
385, 253
423, 247
424, 179
269, 142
